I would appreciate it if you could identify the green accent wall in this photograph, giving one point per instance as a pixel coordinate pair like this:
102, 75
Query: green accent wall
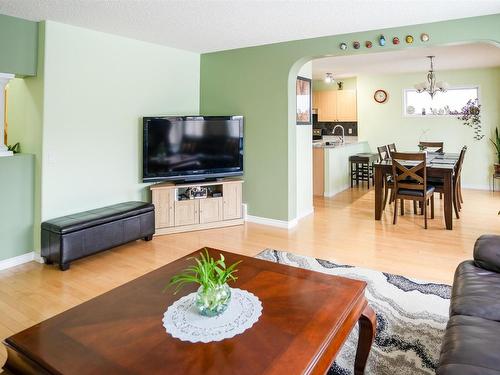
16, 205
259, 83
25, 118
18, 46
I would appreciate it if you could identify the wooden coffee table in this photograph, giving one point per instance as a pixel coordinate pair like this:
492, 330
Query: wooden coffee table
306, 318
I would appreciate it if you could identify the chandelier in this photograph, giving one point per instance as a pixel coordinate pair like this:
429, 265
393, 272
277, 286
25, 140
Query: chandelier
329, 78
431, 86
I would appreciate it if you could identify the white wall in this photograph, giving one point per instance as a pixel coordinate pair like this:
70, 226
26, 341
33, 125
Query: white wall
97, 88
381, 124
304, 160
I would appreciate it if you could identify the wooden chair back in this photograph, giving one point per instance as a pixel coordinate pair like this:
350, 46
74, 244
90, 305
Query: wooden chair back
383, 153
391, 148
458, 168
407, 174
439, 146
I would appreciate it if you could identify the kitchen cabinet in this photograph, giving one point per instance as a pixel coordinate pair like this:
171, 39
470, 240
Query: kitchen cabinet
346, 105
335, 105
318, 171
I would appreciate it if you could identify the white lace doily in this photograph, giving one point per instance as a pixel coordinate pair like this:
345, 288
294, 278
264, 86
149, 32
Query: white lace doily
183, 321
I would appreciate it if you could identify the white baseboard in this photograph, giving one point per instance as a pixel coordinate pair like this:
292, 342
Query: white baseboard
329, 194
272, 222
476, 187
20, 259
308, 212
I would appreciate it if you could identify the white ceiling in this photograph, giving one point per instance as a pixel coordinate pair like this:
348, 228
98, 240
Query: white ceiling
211, 25
465, 56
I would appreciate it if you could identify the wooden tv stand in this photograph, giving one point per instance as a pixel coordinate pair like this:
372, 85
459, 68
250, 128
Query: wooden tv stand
174, 215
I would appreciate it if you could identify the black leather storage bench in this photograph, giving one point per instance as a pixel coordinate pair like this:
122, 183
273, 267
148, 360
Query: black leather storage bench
75, 236
471, 344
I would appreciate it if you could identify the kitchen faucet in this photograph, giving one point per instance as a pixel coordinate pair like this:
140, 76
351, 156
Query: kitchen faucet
343, 132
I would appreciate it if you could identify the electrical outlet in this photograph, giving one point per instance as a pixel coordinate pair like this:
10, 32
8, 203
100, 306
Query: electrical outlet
349, 131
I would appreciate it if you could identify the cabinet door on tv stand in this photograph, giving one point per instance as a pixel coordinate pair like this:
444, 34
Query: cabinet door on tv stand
210, 210
187, 212
232, 201
164, 208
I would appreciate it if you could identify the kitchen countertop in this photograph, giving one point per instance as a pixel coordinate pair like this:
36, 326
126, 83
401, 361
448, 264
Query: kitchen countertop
322, 143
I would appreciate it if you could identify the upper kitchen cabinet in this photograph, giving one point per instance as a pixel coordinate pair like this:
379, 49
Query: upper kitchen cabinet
18, 43
326, 104
335, 105
346, 105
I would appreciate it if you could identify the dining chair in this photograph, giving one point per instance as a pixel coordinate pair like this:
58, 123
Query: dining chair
391, 148
439, 183
439, 146
409, 172
458, 179
383, 153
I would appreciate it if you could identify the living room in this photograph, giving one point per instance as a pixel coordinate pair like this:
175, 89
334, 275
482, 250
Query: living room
78, 90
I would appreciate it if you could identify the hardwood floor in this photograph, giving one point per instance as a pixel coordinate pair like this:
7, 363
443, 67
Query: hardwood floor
341, 229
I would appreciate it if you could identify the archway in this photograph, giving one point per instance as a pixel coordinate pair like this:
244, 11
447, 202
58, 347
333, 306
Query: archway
258, 82
394, 48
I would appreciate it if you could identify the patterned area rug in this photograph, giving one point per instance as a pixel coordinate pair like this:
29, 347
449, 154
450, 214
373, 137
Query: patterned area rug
411, 318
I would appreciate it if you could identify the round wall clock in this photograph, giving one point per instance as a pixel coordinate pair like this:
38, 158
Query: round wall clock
380, 96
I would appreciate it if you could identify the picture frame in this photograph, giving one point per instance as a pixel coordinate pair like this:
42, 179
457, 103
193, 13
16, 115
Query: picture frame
303, 91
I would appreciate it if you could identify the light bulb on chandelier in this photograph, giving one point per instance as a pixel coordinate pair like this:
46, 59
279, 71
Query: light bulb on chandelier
431, 86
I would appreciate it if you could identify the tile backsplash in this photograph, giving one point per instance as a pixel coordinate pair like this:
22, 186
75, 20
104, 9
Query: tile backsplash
328, 126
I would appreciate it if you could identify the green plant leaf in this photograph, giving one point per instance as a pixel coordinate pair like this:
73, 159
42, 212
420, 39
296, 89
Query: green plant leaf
206, 271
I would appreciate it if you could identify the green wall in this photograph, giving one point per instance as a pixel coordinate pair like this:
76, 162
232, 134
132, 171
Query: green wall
16, 203
18, 46
25, 118
259, 83
97, 87
384, 123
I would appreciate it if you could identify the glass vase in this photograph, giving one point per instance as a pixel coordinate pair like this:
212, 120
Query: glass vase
213, 301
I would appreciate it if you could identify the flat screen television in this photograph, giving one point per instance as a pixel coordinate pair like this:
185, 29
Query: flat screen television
192, 148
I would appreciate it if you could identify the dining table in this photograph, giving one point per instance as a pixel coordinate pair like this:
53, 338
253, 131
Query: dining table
439, 165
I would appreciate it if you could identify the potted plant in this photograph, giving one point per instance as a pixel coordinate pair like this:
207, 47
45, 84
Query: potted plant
471, 116
496, 143
213, 295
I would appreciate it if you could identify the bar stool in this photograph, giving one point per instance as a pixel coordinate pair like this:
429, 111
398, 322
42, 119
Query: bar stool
361, 168
495, 177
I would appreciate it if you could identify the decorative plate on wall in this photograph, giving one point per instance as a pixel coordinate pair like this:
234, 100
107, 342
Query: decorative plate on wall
380, 96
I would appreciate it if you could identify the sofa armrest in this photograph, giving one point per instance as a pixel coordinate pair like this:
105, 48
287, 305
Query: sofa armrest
487, 252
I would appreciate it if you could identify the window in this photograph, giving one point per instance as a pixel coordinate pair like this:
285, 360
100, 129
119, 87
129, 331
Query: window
444, 103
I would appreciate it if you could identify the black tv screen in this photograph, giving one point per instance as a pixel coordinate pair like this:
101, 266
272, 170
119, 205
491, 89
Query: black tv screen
187, 148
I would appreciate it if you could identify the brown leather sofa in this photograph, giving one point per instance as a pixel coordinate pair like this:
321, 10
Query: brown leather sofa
471, 343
